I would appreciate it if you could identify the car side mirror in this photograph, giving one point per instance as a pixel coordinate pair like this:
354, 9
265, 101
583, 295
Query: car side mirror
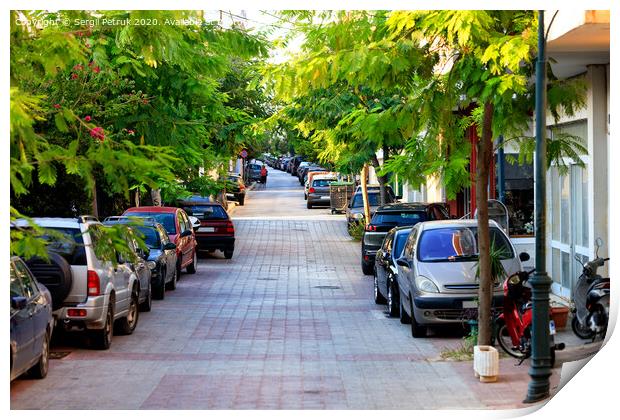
524, 256
403, 262
19, 302
188, 232
170, 246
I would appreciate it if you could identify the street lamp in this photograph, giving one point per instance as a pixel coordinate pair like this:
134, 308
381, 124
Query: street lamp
540, 369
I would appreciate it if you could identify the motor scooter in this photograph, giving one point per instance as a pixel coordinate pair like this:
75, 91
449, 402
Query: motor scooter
514, 325
591, 299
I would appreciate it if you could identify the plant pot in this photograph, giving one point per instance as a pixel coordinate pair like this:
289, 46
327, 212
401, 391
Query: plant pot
486, 363
559, 315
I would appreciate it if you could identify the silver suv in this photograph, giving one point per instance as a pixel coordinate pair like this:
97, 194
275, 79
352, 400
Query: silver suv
89, 293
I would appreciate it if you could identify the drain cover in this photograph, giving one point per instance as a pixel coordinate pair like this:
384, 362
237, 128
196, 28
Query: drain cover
266, 278
327, 287
59, 354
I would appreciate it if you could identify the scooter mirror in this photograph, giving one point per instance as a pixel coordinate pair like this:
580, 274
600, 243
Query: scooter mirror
514, 279
599, 243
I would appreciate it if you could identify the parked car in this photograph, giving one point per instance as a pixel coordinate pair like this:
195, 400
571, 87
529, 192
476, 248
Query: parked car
180, 232
437, 272
386, 279
318, 193
237, 188
391, 215
32, 322
294, 165
355, 210
252, 172
216, 229
304, 171
161, 257
309, 176
91, 292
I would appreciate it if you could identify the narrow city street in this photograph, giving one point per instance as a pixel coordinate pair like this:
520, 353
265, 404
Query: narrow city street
287, 323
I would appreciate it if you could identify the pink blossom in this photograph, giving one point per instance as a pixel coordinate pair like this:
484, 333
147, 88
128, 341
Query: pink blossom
96, 69
78, 67
74, 76
87, 118
131, 132
57, 106
97, 133
145, 101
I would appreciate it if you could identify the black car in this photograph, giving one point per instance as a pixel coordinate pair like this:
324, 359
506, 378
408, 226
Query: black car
236, 188
392, 215
216, 229
162, 256
304, 172
386, 271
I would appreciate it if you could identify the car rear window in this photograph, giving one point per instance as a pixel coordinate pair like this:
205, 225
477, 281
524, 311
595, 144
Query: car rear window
72, 249
405, 218
322, 182
207, 212
166, 219
458, 243
374, 199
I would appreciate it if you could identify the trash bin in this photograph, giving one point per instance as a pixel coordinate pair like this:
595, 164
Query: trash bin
339, 193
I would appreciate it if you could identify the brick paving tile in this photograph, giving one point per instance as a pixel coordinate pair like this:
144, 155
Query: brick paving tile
287, 323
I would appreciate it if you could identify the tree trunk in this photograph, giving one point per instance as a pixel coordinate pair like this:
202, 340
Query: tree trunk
137, 197
95, 206
365, 194
156, 197
383, 179
485, 292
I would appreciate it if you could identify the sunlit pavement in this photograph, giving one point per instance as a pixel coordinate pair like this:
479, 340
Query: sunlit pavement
289, 323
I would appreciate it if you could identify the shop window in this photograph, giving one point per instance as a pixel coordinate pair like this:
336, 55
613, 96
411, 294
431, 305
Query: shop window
519, 195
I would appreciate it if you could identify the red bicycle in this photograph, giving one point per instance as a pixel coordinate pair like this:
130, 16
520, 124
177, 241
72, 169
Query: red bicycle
514, 325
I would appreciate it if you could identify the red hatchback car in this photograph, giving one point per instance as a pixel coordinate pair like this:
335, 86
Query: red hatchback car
180, 231
216, 230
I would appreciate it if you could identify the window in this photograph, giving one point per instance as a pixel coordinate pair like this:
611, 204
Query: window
166, 219
519, 195
401, 239
399, 219
458, 243
28, 284
149, 236
387, 242
410, 245
16, 285
374, 199
163, 235
208, 212
322, 182
72, 248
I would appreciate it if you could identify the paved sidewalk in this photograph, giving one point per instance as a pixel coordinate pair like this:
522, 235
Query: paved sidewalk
288, 323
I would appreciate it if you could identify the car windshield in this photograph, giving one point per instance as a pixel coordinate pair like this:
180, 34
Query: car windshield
405, 218
166, 219
374, 199
322, 182
207, 212
151, 238
458, 244
400, 243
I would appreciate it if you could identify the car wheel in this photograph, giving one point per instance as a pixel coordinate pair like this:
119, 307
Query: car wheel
305, 196
102, 339
367, 268
172, 284
241, 200
403, 315
417, 330
191, 269
39, 371
146, 305
392, 297
379, 299
308, 205
160, 291
228, 253
128, 324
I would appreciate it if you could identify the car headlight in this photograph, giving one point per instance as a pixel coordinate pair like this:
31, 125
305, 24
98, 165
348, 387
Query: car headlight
358, 215
426, 285
151, 264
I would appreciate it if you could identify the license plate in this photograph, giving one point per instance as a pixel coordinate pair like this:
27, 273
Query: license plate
551, 327
325, 197
467, 304
206, 229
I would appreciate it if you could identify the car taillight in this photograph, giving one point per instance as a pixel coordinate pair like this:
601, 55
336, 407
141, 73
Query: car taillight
370, 228
93, 284
76, 312
311, 190
242, 187
230, 228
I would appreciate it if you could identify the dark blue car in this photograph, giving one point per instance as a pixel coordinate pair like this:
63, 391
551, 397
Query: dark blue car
32, 322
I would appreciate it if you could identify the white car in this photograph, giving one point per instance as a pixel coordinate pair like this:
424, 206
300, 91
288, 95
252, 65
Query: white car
437, 272
89, 293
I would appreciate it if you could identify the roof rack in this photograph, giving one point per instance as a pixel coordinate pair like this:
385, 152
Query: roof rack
87, 218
